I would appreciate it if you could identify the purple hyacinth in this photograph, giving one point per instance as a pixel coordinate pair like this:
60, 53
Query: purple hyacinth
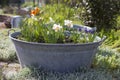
80, 29
91, 31
86, 30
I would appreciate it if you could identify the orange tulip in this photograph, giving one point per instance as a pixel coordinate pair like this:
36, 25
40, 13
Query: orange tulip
37, 10
33, 12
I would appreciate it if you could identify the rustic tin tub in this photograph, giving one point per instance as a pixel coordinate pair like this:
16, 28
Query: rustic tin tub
55, 57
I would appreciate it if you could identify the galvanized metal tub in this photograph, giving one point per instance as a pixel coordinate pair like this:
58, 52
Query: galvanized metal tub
54, 57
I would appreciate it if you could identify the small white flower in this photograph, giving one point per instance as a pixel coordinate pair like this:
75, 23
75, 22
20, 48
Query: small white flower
57, 27
51, 20
85, 2
68, 23
34, 18
89, 11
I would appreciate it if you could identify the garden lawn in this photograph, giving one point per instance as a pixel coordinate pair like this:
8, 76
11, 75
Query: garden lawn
116, 45
106, 65
113, 41
7, 51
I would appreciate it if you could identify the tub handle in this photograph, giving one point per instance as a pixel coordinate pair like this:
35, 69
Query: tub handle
10, 31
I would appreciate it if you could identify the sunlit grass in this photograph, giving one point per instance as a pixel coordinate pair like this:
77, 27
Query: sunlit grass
7, 50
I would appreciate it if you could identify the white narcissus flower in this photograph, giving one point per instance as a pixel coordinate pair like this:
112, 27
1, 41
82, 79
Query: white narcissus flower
51, 20
57, 27
68, 23
34, 18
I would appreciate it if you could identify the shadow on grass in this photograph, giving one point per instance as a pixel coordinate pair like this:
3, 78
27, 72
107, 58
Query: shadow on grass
83, 74
106, 67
